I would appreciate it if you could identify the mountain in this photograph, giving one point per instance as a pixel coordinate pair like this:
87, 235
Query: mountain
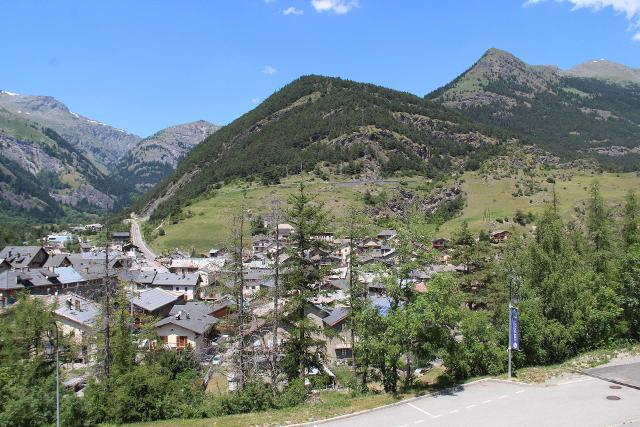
606, 70
330, 126
101, 143
542, 105
41, 172
155, 157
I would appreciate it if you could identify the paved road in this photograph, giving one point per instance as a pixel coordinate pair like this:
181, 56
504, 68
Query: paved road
138, 240
628, 374
577, 401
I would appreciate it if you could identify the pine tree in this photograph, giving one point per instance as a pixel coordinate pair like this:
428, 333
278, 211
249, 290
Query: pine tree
630, 232
303, 349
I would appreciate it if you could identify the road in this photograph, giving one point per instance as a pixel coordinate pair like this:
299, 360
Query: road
576, 401
138, 240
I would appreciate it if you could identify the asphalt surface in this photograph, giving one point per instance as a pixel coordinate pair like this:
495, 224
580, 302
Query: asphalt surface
138, 240
621, 374
577, 401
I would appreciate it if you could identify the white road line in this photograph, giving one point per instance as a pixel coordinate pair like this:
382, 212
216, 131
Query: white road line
471, 406
418, 421
576, 381
455, 411
423, 411
520, 391
504, 396
488, 401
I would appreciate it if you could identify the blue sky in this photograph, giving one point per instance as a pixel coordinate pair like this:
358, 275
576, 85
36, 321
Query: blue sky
144, 65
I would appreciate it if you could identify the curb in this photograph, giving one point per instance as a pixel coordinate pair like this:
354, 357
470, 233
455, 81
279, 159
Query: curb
402, 402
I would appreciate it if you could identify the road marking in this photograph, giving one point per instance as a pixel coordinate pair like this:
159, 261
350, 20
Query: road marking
504, 396
471, 406
488, 401
576, 381
423, 411
520, 391
455, 411
418, 421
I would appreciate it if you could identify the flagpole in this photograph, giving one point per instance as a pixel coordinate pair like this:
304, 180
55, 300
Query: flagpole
510, 338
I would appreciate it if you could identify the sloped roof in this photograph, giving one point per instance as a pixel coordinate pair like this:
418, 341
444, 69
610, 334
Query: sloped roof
20, 256
155, 298
193, 316
9, 281
56, 260
336, 316
87, 314
171, 279
68, 275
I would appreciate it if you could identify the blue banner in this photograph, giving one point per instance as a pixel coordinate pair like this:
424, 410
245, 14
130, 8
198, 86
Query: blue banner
514, 339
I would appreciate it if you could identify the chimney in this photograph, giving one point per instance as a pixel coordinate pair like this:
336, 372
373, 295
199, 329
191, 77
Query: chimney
77, 305
68, 303
178, 315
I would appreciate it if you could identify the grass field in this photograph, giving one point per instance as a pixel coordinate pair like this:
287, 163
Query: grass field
213, 218
491, 199
487, 200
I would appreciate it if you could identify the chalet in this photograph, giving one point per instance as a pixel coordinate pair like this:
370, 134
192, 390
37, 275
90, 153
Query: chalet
156, 301
21, 257
39, 281
387, 235
121, 237
9, 287
343, 251
338, 343
499, 236
284, 232
85, 247
188, 325
440, 243
324, 237
69, 278
186, 284
77, 316
260, 244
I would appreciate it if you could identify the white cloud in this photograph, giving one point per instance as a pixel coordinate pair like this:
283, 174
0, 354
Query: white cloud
256, 100
339, 7
292, 11
269, 70
631, 8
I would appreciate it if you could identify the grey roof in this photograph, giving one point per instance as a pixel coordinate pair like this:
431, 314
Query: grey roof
56, 260
121, 234
20, 256
68, 275
336, 316
9, 281
193, 316
171, 279
153, 299
87, 314
389, 233
37, 277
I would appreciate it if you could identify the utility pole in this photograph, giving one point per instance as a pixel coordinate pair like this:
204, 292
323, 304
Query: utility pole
240, 295
276, 296
107, 314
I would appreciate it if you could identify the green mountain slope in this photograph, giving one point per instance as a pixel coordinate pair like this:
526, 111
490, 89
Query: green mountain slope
41, 173
156, 157
566, 115
330, 125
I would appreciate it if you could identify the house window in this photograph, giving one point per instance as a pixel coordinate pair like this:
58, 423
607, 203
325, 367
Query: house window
182, 342
342, 353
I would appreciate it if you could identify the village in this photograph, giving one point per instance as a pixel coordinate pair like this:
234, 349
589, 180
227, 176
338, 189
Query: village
185, 300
